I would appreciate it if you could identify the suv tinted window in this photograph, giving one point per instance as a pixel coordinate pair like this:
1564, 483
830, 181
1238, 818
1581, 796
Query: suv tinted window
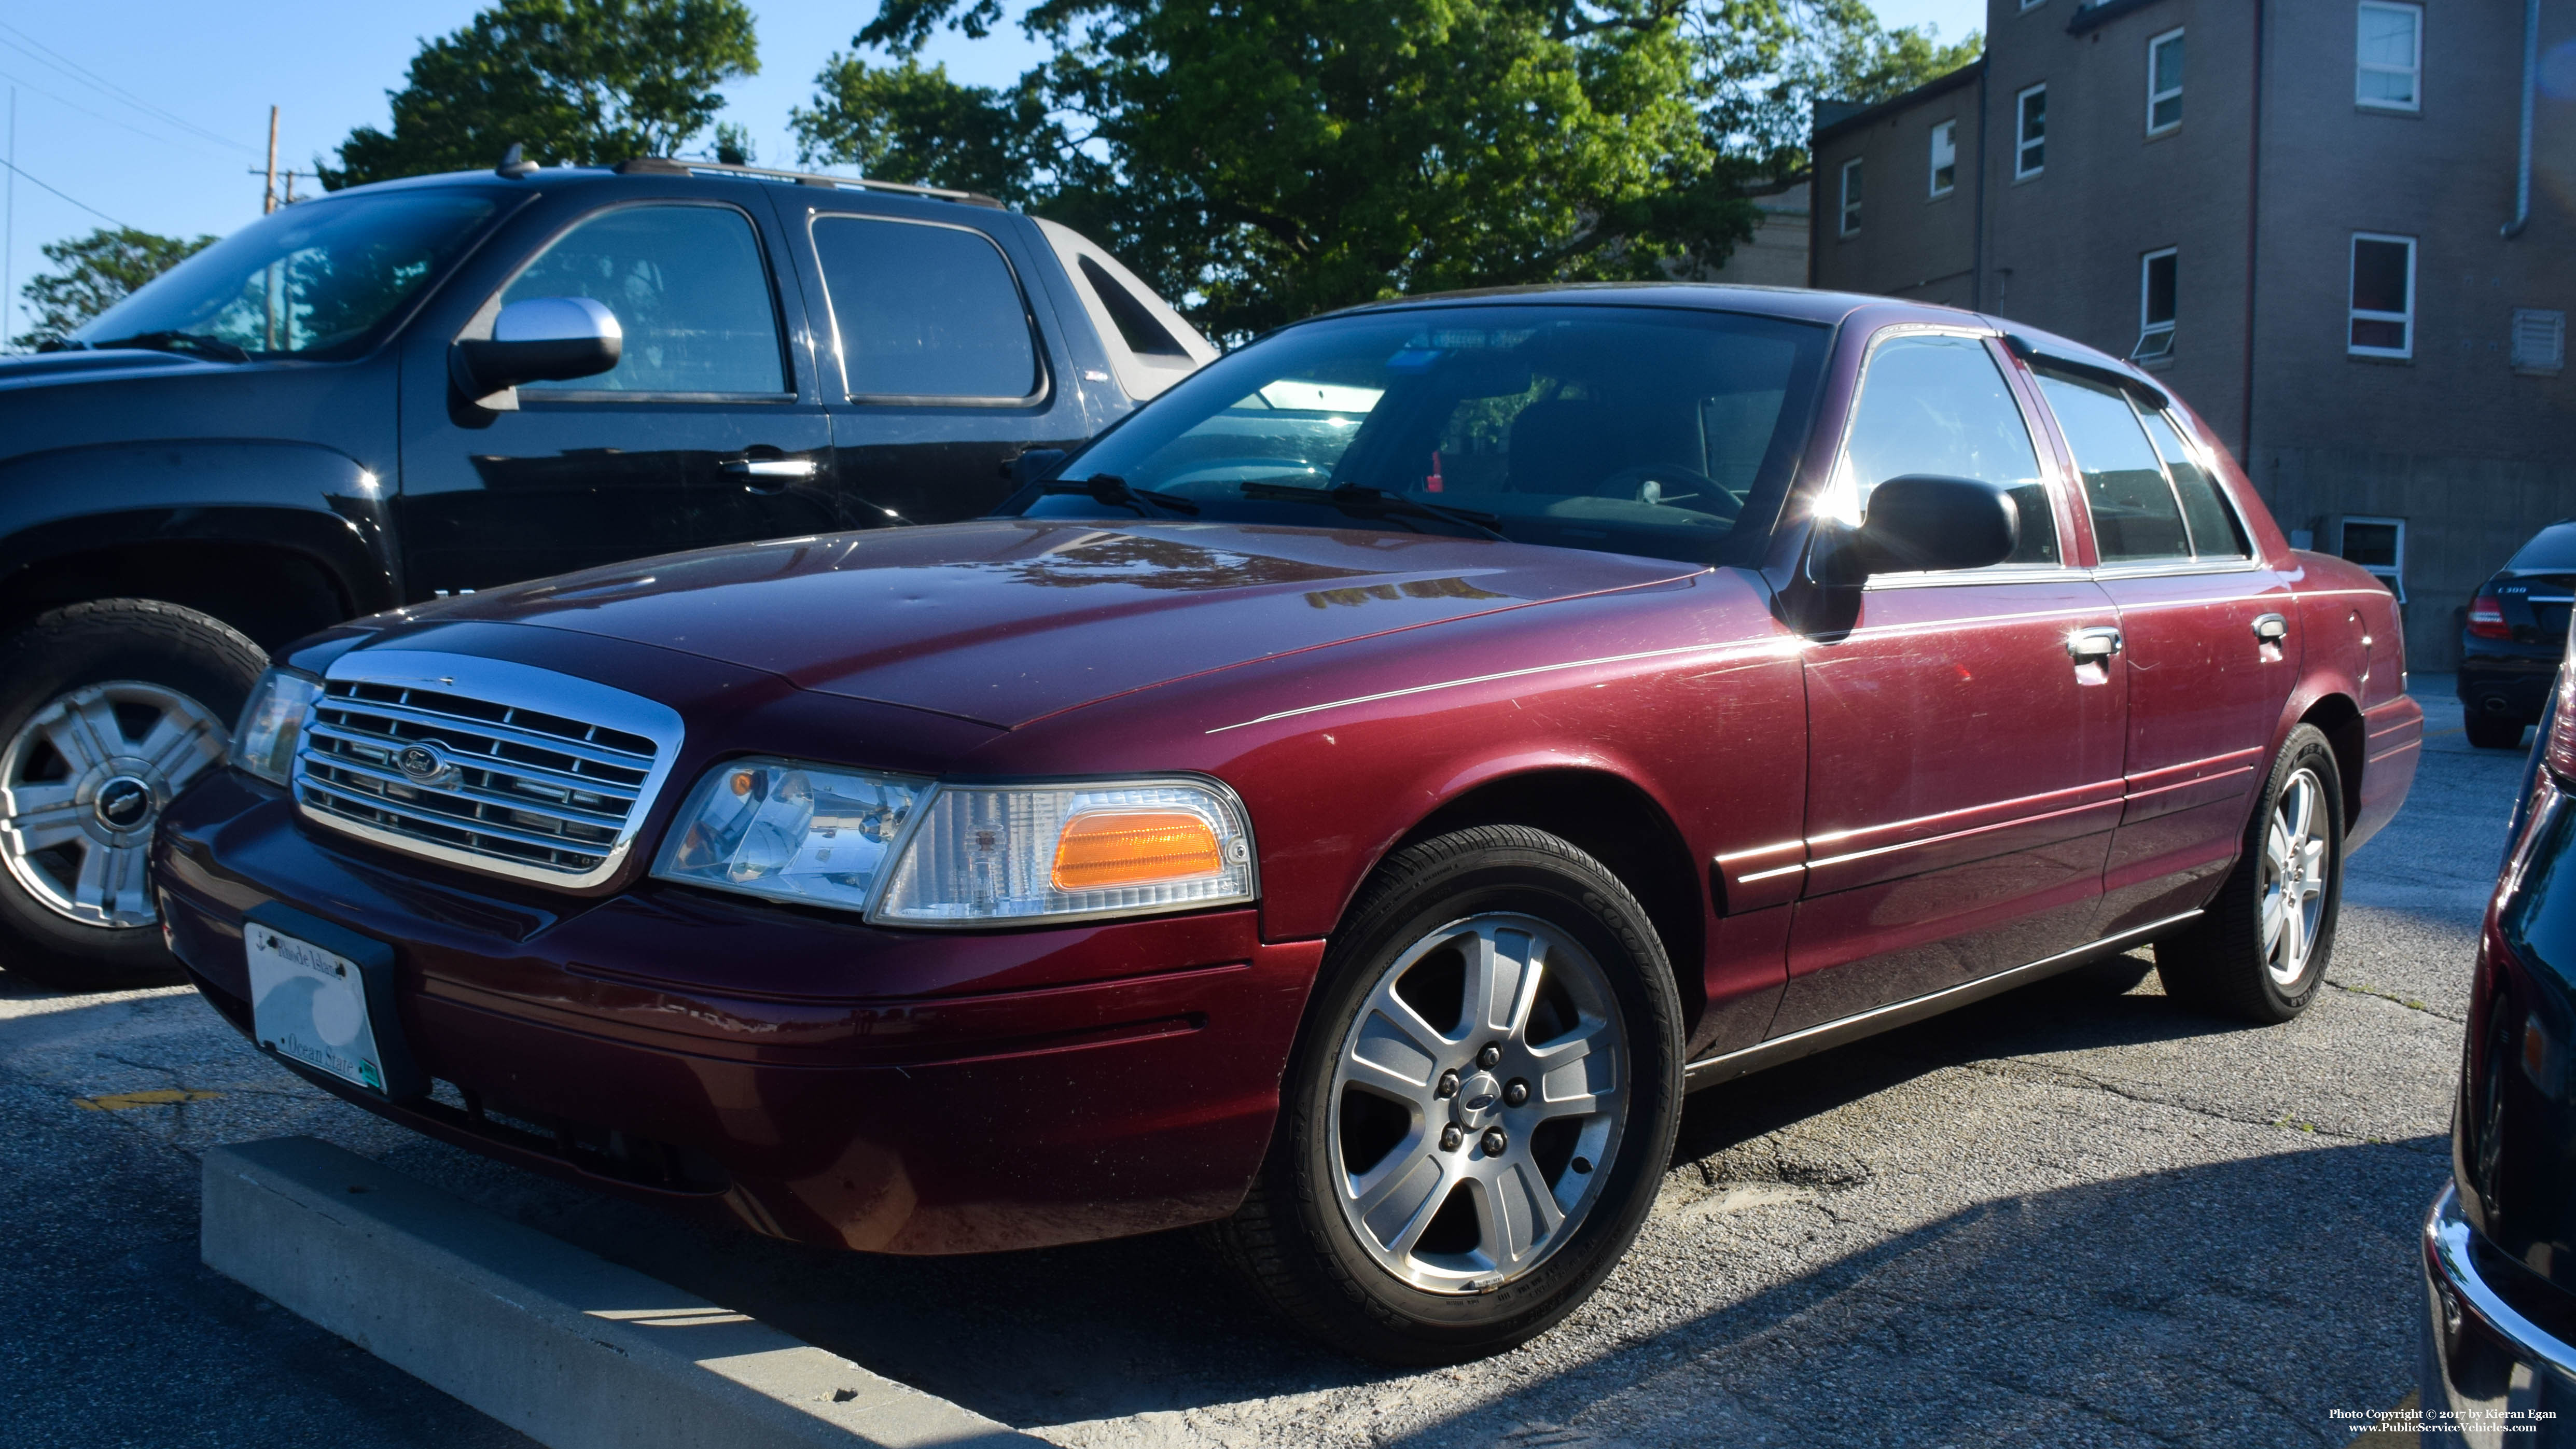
925, 311
2215, 533
2135, 516
689, 288
1939, 405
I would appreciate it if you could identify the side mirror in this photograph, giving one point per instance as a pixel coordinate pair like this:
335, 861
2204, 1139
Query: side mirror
1920, 522
541, 339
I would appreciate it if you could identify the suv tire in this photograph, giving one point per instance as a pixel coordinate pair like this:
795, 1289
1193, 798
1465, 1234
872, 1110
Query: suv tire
1512, 1154
107, 710
2260, 949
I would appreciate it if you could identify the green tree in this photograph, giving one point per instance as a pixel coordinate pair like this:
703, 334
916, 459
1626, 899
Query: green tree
95, 272
569, 81
1260, 160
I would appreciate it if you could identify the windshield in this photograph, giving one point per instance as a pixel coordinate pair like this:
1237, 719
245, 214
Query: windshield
310, 280
1624, 429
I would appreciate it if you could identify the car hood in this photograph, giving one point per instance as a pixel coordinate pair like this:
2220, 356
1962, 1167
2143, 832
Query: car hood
1004, 621
46, 369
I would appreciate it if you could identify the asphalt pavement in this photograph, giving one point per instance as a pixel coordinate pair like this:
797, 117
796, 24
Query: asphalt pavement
2073, 1215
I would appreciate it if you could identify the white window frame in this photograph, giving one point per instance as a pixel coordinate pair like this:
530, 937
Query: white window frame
2022, 142
2414, 71
2394, 575
1945, 133
2352, 314
1853, 178
2164, 329
2153, 95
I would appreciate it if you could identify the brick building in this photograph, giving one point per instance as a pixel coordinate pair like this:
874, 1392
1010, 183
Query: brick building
2343, 230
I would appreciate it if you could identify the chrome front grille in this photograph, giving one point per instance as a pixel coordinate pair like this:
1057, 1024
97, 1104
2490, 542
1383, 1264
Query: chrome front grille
481, 763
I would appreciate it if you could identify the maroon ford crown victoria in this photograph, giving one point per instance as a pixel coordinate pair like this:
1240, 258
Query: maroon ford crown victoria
1349, 806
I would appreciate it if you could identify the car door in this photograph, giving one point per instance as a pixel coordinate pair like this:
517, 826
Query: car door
1965, 728
703, 433
937, 369
2208, 644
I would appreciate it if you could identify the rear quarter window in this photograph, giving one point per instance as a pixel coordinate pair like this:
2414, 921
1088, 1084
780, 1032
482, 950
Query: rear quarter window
924, 311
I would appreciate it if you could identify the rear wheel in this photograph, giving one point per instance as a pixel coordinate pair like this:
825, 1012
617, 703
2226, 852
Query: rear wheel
107, 711
2492, 732
2260, 949
1479, 1110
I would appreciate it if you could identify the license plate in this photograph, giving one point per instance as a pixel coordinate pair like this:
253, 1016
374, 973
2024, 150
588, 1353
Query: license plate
311, 1005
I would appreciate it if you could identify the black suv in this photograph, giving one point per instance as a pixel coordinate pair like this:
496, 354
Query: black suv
428, 387
2515, 632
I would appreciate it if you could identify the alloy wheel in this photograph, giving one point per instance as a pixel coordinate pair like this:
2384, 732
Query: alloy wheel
82, 785
1478, 1102
2295, 865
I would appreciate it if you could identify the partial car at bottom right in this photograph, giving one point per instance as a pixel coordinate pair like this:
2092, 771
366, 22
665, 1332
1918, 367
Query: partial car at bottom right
2499, 1246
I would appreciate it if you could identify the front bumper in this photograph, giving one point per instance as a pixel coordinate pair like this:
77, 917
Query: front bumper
2490, 1372
808, 1075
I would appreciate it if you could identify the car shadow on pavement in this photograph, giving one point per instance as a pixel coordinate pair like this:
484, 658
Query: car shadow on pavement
1110, 1330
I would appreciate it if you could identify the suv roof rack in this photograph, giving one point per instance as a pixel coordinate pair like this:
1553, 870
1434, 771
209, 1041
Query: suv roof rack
667, 166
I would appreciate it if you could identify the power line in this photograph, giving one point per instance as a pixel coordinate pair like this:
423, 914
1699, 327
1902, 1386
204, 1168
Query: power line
156, 137
59, 61
18, 170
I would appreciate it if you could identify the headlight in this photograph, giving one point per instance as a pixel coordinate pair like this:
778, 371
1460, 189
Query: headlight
273, 723
789, 831
911, 852
997, 855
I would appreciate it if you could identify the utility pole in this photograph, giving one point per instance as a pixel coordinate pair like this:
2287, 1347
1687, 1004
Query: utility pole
268, 199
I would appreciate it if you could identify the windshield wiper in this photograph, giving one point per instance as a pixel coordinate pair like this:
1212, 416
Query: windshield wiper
1112, 489
193, 342
1362, 502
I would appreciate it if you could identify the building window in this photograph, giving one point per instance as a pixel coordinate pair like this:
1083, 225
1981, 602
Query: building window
2539, 340
2030, 132
2389, 73
2155, 305
2383, 296
2377, 544
1945, 157
2164, 82
1851, 196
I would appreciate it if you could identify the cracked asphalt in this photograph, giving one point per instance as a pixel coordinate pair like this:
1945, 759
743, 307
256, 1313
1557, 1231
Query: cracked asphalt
2074, 1215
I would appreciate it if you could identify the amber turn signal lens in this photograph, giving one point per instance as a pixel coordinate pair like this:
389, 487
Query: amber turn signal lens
1102, 849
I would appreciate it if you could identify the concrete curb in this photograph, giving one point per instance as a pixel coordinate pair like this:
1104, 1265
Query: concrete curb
563, 1346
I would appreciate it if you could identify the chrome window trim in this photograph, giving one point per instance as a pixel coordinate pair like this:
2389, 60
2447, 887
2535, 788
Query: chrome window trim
1964, 578
2174, 568
502, 682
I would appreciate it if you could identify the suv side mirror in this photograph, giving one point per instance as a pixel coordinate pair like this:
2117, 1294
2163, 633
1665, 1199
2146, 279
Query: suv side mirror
540, 339
1920, 522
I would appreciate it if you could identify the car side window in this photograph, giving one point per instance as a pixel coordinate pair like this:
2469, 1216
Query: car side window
2215, 531
925, 311
2135, 515
1940, 405
691, 295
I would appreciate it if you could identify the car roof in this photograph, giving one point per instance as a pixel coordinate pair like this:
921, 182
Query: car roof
662, 168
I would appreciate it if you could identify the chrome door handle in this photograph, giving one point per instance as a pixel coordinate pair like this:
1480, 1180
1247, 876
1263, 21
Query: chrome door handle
781, 468
2092, 646
2271, 628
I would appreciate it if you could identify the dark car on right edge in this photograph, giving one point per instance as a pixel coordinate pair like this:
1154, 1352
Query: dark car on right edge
2499, 1247
2509, 647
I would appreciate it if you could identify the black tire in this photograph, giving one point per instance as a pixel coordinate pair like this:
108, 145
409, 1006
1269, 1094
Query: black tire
110, 642
2492, 732
2223, 963
1291, 1238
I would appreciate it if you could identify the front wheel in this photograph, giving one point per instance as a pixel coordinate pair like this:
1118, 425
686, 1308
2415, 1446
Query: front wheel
107, 711
1480, 1107
2260, 949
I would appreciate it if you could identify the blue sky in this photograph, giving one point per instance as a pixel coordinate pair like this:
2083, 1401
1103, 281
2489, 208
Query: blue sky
154, 112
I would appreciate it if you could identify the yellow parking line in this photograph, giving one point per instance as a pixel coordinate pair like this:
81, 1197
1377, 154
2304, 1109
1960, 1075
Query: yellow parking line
119, 1101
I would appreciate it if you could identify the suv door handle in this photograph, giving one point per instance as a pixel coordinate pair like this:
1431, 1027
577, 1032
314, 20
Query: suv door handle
2092, 646
768, 474
2271, 628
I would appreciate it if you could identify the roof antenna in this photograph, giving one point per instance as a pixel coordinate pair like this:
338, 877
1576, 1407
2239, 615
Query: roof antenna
513, 165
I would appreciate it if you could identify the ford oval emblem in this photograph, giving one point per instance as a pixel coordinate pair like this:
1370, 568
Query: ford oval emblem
424, 761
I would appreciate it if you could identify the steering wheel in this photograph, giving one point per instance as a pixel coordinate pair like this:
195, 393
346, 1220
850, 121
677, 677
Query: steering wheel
1671, 483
